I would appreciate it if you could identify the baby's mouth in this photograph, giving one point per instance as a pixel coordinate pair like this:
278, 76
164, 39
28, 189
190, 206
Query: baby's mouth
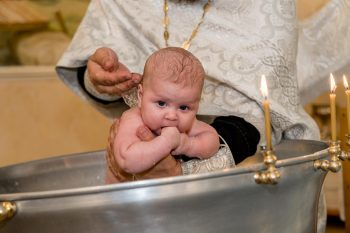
158, 131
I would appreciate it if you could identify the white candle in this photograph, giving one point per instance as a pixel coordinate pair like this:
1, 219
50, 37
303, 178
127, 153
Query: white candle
266, 107
347, 92
333, 111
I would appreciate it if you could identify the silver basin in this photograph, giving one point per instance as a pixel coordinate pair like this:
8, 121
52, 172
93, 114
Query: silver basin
67, 194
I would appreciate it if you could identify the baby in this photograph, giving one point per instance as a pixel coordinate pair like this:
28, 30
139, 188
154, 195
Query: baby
168, 100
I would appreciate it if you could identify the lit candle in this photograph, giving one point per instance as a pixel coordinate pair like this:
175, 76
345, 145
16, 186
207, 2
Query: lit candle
333, 113
266, 107
347, 92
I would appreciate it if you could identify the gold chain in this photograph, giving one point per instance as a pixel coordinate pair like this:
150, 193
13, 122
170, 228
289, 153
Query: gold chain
187, 43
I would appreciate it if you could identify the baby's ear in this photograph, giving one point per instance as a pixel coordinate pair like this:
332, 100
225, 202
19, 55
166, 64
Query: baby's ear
139, 95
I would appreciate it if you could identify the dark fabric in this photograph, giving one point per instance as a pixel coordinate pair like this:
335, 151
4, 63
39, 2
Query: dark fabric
80, 74
241, 136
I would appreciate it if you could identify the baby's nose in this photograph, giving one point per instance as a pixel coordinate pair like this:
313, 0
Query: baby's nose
171, 115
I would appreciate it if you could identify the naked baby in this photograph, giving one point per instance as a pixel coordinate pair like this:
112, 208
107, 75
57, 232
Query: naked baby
168, 101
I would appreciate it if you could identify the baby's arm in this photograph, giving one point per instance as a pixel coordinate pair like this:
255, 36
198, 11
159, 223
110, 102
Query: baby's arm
135, 156
202, 141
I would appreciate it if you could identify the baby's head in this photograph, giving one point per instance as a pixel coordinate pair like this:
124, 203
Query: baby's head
171, 89
176, 65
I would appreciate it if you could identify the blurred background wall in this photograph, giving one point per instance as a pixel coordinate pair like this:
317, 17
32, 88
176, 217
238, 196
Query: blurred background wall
39, 116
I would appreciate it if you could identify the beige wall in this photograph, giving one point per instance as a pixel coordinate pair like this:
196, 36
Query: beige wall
40, 117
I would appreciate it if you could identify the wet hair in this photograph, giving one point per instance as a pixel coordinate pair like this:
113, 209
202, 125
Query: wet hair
175, 64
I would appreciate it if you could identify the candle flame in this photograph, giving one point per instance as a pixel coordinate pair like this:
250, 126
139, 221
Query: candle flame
263, 86
333, 86
345, 81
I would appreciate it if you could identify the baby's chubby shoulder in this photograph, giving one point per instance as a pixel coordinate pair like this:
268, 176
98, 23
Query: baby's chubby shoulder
132, 114
199, 127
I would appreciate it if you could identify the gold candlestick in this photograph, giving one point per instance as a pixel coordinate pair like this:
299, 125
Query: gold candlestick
334, 164
345, 155
271, 175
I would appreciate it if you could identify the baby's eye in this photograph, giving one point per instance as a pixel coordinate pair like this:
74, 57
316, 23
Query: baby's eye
161, 103
184, 108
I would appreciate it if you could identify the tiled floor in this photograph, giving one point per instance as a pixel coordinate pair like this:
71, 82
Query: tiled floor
335, 225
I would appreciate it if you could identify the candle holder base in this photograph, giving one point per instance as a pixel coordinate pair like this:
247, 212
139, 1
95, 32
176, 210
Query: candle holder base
7, 210
271, 175
334, 164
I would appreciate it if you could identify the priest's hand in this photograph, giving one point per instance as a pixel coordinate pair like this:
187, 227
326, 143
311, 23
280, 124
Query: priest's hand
108, 75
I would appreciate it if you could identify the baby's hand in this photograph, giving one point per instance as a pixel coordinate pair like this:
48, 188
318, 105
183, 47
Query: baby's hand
184, 145
172, 136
